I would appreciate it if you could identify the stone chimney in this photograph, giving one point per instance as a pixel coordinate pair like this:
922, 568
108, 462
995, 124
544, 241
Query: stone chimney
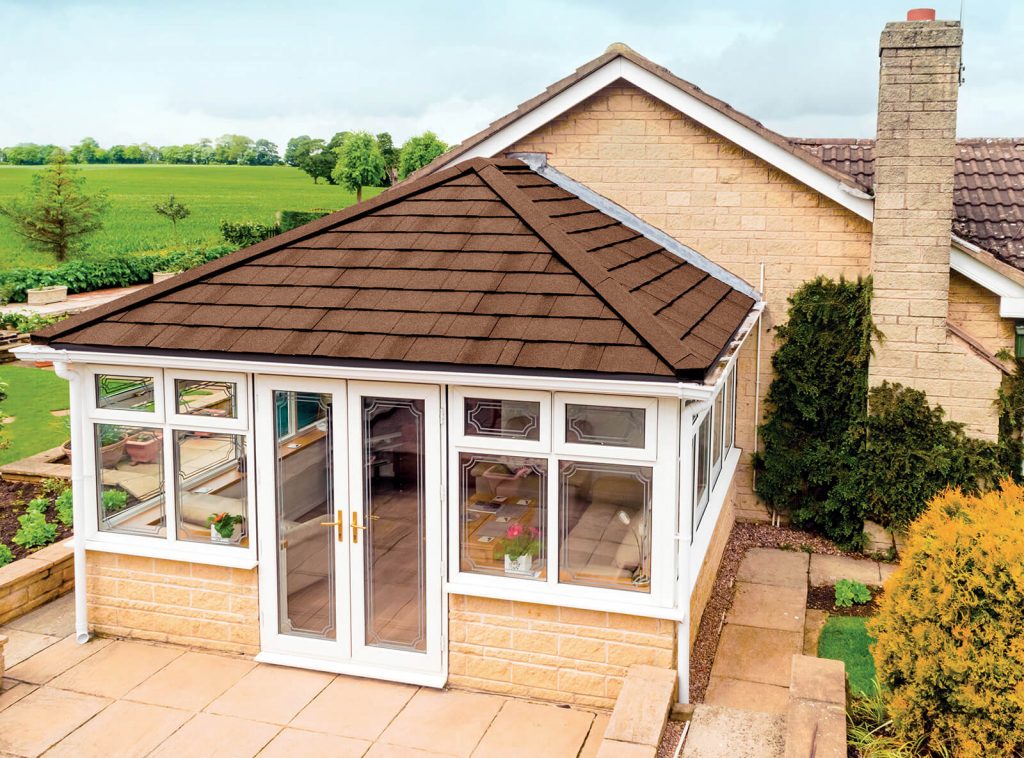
915, 154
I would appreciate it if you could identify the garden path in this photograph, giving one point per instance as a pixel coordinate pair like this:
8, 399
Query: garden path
83, 301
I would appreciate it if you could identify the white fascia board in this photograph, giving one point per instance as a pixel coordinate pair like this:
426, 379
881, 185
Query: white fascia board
621, 68
1011, 294
674, 389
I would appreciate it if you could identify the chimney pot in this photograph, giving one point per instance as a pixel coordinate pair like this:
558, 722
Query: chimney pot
921, 14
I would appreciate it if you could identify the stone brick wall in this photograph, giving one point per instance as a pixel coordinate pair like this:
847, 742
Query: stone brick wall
720, 200
976, 310
550, 653
705, 582
38, 578
169, 601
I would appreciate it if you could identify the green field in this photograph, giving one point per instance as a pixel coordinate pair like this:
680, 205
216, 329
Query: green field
212, 193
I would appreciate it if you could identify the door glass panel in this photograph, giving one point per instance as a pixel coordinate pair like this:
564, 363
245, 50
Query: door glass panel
305, 559
394, 513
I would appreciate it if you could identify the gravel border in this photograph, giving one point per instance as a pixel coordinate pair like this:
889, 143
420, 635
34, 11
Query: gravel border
742, 538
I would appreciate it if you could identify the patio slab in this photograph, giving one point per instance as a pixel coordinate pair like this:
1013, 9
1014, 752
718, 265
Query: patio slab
124, 729
291, 743
56, 618
768, 606
443, 722
23, 645
116, 669
192, 681
207, 735
11, 692
56, 659
782, 568
813, 625
756, 655
274, 694
717, 731
44, 717
826, 570
523, 728
751, 696
352, 707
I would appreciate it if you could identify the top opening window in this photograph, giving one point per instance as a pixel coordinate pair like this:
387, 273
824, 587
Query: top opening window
122, 392
201, 397
502, 418
605, 425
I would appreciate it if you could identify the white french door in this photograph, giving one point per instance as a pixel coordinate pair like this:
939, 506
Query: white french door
350, 527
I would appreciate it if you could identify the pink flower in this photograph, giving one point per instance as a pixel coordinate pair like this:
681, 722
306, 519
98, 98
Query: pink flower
514, 530
534, 532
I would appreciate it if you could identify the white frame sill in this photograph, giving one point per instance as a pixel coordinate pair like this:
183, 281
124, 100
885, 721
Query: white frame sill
244, 560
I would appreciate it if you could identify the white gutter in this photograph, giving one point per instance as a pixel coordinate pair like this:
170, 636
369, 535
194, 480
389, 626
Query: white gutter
80, 479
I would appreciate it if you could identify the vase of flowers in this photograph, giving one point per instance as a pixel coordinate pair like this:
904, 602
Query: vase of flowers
223, 528
520, 546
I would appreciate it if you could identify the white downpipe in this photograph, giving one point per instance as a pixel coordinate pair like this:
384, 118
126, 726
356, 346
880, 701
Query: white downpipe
71, 373
757, 385
684, 484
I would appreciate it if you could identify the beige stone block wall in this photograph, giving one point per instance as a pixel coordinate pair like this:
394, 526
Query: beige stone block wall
712, 560
210, 607
35, 579
976, 311
550, 653
722, 201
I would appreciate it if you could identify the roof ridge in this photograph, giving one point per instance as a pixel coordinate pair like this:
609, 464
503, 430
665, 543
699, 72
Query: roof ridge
246, 254
664, 344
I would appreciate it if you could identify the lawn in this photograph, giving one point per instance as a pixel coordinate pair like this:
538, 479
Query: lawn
845, 638
31, 394
213, 193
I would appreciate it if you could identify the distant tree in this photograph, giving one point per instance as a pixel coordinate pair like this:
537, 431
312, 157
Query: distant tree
417, 152
317, 161
262, 153
230, 148
173, 211
28, 154
125, 154
297, 149
389, 153
87, 151
57, 213
149, 153
336, 141
360, 163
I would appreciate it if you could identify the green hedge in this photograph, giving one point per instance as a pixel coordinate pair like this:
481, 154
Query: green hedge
114, 271
293, 219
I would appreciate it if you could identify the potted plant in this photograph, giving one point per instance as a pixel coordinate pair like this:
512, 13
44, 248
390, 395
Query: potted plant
520, 546
163, 276
112, 443
144, 447
223, 527
46, 295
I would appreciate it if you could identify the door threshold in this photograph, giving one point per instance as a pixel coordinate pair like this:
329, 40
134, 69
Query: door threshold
421, 678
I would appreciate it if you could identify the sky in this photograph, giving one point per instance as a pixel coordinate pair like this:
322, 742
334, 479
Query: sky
173, 72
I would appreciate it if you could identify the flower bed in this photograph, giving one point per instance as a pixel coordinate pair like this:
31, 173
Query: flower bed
14, 504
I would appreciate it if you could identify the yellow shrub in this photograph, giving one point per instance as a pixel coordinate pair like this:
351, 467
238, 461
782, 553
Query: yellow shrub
950, 630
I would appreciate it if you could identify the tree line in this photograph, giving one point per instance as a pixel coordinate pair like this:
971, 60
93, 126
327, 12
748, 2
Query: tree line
374, 160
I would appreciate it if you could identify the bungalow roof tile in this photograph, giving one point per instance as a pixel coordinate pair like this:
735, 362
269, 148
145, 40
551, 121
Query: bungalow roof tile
488, 264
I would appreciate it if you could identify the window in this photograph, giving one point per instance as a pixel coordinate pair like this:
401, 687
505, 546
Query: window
212, 488
198, 397
130, 481
730, 412
125, 393
717, 436
503, 515
605, 525
495, 417
701, 456
604, 425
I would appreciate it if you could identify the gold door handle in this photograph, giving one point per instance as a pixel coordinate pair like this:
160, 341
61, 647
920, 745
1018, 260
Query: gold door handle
338, 522
356, 528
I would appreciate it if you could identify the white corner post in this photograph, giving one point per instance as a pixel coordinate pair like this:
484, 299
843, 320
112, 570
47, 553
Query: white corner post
81, 479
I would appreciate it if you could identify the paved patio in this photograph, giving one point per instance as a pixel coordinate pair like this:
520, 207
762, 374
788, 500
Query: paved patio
126, 698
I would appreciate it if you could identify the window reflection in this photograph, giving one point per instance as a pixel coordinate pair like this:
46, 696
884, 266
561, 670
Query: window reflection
509, 419
199, 397
211, 491
130, 492
124, 393
604, 425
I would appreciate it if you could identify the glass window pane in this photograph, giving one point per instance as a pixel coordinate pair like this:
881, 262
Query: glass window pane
508, 419
716, 435
605, 525
394, 509
701, 454
124, 393
604, 425
305, 555
211, 489
504, 513
730, 413
130, 490
198, 397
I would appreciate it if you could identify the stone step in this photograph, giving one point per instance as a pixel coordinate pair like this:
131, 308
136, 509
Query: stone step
721, 732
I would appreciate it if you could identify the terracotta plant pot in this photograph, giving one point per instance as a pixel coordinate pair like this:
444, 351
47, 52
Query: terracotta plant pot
110, 455
144, 451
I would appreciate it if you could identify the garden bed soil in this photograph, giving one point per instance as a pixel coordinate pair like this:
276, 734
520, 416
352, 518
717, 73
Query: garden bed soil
14, 499
742, 538
823, 599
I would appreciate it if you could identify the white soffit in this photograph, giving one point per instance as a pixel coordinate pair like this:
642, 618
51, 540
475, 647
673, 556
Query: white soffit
718, 122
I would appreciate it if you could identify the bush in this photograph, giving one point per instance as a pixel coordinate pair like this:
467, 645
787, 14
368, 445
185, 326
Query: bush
112, 271
114, 500
65, 507
293, 219
246, 233
35, 530
949, 651
850, 592
6, 556
906, 453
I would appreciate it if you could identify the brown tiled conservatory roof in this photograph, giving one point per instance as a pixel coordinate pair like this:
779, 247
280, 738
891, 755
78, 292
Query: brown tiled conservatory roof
486, 264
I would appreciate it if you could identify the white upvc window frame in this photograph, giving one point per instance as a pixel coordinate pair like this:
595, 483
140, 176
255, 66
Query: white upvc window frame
137, 418
191, 420
527, 448
168, 546
567, 449
661, 431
